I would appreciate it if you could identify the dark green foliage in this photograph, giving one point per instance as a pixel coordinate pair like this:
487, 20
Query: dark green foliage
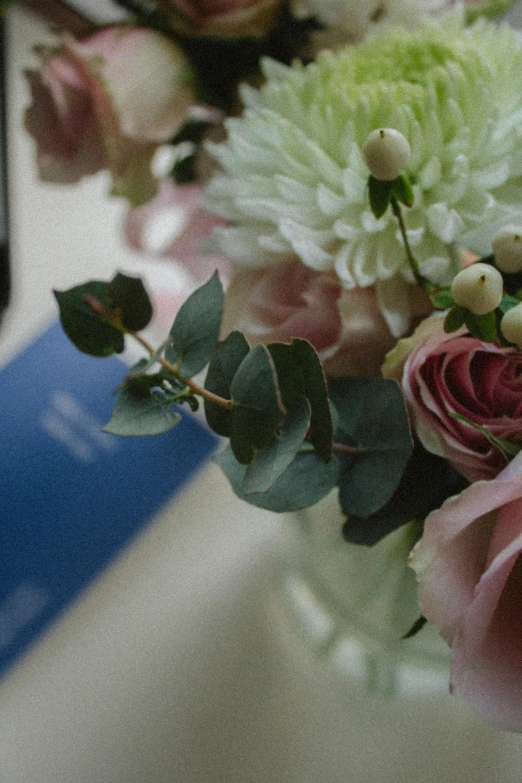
258, 409
85, 327
223, 366
372, 421
195, 330
129, 297
381, 193
427, 481
144, 407
307, 480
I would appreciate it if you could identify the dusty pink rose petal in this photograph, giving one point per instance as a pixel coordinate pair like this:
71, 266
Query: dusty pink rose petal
283, 301
442, 374
107, 101
286, 300
62, 120
469, 568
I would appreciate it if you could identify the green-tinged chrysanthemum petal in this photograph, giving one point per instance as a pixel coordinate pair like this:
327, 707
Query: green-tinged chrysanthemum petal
294, 180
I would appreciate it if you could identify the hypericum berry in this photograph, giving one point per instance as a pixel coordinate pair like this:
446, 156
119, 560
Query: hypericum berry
386, 152
507, 247
479, 288
511, 325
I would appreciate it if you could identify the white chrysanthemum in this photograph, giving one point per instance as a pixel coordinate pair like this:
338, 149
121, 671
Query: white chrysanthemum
294, 180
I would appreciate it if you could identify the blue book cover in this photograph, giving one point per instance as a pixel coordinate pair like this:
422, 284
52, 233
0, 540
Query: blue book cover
71, 495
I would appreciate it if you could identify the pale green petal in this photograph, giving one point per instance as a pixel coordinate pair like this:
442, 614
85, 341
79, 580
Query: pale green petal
294, 180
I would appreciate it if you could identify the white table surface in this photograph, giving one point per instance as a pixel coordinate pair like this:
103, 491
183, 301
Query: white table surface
176, 666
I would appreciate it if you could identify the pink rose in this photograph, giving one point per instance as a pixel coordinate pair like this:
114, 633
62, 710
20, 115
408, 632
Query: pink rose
443, 374
222, 18
107, 101
469, 569
285, 300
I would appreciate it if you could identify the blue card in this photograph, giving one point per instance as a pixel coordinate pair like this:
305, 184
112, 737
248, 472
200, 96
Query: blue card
72, 496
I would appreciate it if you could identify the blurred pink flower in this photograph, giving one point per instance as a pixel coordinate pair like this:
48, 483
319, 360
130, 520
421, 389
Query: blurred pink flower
173, 227
443, 374
286, 300
107, 101
469, 568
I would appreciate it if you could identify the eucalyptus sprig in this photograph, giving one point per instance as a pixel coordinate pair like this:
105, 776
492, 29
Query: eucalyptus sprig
292, 438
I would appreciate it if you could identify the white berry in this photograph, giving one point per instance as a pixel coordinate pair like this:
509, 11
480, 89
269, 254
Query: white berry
507, 247
511, 325
479, 288
386, 152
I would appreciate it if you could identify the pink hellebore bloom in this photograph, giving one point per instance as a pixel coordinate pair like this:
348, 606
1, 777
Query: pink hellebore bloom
108, 101
469, 568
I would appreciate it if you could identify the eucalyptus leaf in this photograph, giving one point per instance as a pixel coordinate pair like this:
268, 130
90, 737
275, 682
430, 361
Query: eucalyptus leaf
270, 463
289, 372
316, 391
85, 326
299, 372
223, 366
142, 409
307, 480
257, 409
129, 297
195, 330
144, 364
373, 417
413, 499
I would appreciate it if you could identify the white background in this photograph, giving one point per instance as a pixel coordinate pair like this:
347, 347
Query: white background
177, 666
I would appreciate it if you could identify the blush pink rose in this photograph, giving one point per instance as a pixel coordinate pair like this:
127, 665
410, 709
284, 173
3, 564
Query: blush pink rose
285, 300
106, 102
443, 374
469, 568
222, 18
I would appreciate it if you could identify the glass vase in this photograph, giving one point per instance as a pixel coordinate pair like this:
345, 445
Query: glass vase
354, 604
375, 706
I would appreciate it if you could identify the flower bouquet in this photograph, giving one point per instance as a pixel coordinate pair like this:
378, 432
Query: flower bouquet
354, 170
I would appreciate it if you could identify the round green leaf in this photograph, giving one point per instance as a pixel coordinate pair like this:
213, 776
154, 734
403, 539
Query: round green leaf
195, 330
307, 480
128, 295
84, 326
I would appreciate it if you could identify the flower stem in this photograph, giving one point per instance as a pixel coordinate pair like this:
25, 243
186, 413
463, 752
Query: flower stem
342, 448
414, 266
194, 387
